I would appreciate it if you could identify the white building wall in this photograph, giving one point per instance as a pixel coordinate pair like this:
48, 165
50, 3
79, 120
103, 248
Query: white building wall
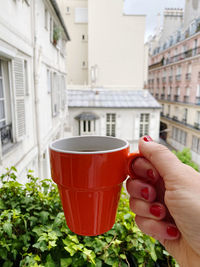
115, 45
127, 122
23, 35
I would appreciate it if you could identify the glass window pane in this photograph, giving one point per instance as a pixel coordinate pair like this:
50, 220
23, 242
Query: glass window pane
89, 126
2, 110
1, 88
0, 69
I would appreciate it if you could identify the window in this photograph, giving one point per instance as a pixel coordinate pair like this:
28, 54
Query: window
179, 135
51, 30
198, 117
198, 90
10, 132
46, 16
81, 15
185, 113
55, 95
111, 124
48, 81
2, 98
144, 124
67, 10
84, 65
195, 144
168, 110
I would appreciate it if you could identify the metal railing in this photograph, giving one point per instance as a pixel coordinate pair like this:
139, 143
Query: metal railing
176, 98
187, 54
186, 99
6, 134
188, 76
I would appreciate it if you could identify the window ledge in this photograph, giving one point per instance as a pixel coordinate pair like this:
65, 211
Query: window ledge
8, 148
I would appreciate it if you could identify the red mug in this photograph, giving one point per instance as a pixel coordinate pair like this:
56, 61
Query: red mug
89, 172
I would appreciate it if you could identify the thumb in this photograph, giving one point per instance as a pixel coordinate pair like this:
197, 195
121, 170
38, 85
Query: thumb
165, 162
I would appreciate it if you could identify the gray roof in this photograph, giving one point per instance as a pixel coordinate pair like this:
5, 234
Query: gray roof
105, 98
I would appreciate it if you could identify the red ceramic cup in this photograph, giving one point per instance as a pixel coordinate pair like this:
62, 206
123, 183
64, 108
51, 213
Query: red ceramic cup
89, 172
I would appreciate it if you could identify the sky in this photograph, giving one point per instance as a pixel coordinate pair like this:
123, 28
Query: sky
150, 8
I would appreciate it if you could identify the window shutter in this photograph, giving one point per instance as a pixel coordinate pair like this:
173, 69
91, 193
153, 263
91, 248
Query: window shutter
18, 71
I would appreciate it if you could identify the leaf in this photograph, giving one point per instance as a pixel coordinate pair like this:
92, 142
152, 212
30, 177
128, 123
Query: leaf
2, 205
7, 264
65, 262
7, 227
73, 238
3, 253
44, 216
37, 258
49, 261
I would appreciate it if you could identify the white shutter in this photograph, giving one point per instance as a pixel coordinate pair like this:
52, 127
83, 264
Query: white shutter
18, 72
63, 95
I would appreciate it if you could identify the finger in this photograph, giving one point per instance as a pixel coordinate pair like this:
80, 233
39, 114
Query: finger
163, 160
141, 190
154, 210
144, 169
160, 230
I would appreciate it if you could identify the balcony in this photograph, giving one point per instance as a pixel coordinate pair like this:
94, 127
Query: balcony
184, 120
176, 98
168, 97
197, 125
186, 99
162, 96
164, 79
187, 54
170, 79
188, 76
6, 136
178, 77
175, 118
198, 100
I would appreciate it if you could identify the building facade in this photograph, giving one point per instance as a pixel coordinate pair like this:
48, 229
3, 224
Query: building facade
32, 83
119, 113
174, 79
107, 47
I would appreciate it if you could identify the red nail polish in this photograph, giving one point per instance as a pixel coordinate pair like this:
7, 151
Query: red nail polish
155, 210
145, 193
147, 138
150, 174
172, 231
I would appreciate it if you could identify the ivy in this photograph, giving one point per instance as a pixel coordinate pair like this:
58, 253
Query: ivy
33, 232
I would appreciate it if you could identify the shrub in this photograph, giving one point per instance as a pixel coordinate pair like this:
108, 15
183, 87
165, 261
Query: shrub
186, 157
33, 232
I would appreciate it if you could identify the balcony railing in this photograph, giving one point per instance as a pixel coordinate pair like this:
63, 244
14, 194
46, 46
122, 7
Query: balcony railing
168, 97
176, 98
178, 77
184, 120
197, 125
188, 76
186, 99
162, 96
198, 100
6, 134
170, 79
175, 118
187, 54
164, 79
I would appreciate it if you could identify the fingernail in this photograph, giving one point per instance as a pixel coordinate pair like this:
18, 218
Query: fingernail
150, 174
147, 138
172, 231
145, 193
155, 210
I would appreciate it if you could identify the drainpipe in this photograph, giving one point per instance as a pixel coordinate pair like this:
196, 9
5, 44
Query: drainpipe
36, 70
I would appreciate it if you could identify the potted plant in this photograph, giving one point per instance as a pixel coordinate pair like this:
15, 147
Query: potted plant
56, 35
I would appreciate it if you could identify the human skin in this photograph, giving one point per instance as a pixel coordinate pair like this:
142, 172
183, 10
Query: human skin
165, 196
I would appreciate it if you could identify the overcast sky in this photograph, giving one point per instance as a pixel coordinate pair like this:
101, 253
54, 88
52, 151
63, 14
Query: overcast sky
150, 8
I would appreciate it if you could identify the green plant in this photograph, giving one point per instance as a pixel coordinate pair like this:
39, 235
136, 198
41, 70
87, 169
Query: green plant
186, 157
33, 231
56, 34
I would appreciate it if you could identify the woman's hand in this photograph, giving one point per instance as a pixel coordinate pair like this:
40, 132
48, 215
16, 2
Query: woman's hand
165, 196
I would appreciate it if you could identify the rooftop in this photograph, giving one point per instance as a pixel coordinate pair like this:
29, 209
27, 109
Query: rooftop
106, 98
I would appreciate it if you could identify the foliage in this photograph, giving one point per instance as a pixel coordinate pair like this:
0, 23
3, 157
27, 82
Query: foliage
186, 157
33, 232
56, 34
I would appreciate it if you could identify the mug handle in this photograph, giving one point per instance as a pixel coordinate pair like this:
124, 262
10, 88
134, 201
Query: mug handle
131, 158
